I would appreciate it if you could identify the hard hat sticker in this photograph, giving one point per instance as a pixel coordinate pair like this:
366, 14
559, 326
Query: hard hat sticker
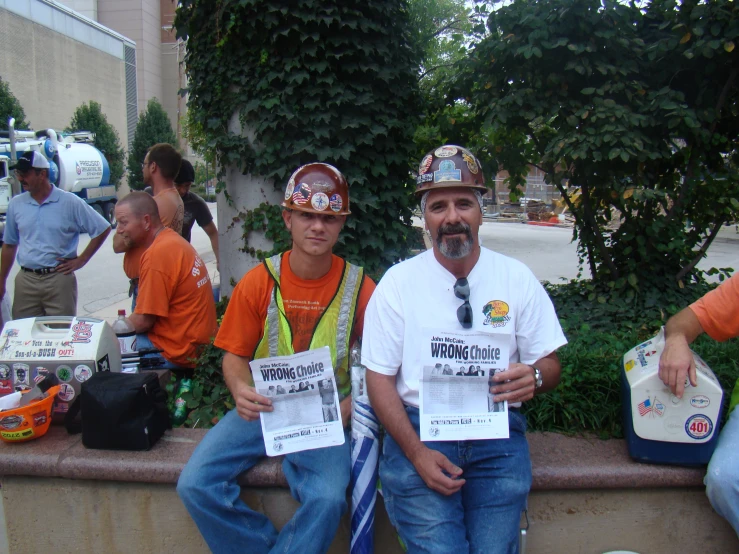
319, 201
447, 172
423, 167
445, 151
336, 202
471, 163
290, 188
301, 194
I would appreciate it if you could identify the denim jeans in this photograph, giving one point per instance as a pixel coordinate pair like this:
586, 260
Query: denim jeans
722, 476
144, 343
483, 517
208, 487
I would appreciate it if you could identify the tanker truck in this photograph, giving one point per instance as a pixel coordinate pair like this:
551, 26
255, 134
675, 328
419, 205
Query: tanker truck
75, 166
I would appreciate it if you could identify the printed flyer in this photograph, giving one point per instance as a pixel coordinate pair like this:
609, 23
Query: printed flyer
455, 400
305, 400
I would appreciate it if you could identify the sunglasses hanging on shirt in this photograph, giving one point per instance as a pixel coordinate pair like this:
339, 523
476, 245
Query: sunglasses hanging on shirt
464, 312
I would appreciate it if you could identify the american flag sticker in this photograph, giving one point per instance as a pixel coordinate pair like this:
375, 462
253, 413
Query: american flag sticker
645, 407
301, 194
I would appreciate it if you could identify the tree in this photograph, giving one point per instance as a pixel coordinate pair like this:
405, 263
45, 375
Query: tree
90, 117
273, 88
637, 107
152, 128
439, 30
10, 107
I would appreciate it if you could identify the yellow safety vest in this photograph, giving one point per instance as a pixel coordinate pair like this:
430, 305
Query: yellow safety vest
334, 327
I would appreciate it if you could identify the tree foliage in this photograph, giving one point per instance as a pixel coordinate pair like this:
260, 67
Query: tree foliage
152, 128
439, 32
90, 117
331, 81
635, 106
11, 107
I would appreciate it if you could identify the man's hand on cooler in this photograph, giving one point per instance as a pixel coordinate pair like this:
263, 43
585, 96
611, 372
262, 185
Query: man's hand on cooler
676, 363
516, 384
439, 474
249, 403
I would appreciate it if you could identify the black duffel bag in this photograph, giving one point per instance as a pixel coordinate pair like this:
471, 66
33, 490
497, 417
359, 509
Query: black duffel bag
120, 411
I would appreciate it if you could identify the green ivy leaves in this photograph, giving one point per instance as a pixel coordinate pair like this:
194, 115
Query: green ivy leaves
311, 81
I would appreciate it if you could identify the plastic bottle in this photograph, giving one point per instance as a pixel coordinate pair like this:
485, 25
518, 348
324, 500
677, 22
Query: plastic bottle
125, 332
180, 406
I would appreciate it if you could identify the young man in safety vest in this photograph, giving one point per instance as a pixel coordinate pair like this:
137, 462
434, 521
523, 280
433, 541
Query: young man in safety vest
293, 302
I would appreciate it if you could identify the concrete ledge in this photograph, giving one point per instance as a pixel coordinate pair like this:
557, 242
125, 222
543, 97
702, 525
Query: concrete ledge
588, 496
559, 463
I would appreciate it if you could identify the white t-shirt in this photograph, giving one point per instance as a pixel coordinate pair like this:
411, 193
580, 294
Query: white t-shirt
419, 293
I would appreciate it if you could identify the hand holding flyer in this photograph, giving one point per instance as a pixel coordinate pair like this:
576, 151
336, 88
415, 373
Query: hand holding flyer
305, 401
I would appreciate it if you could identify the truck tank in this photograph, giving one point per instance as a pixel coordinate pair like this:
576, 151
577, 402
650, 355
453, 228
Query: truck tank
81, 166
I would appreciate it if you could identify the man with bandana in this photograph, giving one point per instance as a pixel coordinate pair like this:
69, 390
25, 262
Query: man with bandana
456, 495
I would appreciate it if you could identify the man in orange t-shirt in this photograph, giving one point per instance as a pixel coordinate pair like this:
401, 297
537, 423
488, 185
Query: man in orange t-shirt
717, 315
160, 167
308, 281
175, 312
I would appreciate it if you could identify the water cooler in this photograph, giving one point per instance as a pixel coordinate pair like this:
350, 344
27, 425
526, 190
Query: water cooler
660, 427
72, 348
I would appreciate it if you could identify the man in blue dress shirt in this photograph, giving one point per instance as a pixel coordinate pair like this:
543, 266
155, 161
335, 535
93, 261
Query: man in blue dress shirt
43, 226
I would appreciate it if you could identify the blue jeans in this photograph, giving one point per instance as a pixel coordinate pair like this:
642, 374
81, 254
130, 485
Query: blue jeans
483, 517
208, 487
722, 476
143, 343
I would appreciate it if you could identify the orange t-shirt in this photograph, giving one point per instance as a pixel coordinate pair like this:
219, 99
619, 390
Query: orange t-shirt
304, 301
172, 214
175, 287
718, 311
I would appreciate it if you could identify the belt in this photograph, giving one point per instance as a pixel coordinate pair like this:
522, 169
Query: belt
132, 284
42, 271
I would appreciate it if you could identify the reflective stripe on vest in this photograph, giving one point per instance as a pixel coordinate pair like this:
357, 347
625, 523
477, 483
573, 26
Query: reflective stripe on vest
333, 329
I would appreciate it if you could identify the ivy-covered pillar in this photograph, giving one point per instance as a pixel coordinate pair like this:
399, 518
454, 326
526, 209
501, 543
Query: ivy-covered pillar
275, 84
240, 207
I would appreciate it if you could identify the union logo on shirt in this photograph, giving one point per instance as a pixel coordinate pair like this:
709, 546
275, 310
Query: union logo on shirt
496, 313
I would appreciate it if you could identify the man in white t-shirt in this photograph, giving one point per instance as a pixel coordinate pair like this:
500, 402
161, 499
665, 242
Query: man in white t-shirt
456, 496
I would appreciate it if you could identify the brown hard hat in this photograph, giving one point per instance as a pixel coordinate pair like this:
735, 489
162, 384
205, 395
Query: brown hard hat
317, 188
449, 166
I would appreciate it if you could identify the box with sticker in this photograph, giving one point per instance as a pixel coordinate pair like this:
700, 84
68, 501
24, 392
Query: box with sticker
660, 427
72, 348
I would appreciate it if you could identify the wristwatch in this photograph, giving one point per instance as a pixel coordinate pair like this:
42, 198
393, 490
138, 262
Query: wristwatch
538, 381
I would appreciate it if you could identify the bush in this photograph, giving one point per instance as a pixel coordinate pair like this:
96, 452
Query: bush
153, 128
209, 399
600, 330
588, 399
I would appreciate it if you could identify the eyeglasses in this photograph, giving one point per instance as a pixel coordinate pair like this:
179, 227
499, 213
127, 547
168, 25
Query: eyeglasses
143, 165
464, 312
